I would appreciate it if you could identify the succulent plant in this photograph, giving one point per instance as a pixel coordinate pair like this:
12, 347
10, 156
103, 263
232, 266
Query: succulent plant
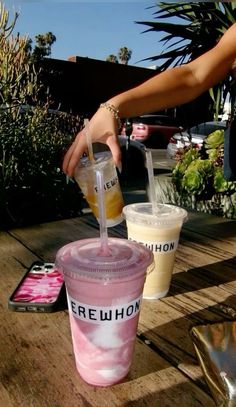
199, 174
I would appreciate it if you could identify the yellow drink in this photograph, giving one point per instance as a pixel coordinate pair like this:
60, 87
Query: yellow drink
85, 176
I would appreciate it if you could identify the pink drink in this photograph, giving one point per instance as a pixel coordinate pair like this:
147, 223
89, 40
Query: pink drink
104, 297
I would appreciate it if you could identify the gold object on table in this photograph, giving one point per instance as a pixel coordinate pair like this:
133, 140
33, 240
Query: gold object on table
215, 346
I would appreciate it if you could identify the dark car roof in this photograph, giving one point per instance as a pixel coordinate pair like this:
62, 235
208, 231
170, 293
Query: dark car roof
207, 128
156, 119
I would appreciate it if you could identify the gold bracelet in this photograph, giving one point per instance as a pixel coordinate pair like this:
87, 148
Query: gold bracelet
114, 111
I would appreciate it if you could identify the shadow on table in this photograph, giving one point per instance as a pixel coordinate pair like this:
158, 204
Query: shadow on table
174, 335
211, 225
173, 343
182, 394
150, 372
179, 327
198, 278
62, 300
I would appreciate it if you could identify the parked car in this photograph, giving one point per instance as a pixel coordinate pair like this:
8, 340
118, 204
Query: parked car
133, 162
153, 130
196, 135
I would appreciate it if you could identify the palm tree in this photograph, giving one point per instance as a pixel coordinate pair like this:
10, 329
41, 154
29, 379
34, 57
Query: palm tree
43, 45
195, 29
112, 58
124, 55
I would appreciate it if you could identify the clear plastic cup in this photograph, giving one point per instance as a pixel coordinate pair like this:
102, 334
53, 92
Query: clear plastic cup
104, 296
86, 179
159, 232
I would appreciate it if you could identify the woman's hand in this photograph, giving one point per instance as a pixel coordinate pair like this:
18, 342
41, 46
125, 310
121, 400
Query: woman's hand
102, 128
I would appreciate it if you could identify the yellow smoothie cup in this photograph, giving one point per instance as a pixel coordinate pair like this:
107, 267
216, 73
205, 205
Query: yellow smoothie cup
86, 179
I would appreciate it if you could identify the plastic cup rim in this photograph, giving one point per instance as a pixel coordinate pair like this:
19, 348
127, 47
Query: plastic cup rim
176, 216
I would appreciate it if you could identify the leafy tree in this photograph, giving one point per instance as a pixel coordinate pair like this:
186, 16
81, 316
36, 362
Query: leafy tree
112, 58
43, 46
195, 29
124, 55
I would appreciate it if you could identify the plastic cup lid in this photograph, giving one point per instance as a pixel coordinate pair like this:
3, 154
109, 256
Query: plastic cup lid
165, 215
100, 159
83, 258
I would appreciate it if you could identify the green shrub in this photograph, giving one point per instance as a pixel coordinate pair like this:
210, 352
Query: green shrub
32, 140
199, 180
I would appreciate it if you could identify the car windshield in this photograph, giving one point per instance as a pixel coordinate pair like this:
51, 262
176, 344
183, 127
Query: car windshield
207, 128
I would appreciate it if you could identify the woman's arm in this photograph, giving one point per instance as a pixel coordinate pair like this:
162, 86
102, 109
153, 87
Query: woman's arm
179, 85
168, 89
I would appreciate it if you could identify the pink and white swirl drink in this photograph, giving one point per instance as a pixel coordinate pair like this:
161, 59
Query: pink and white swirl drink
104, 294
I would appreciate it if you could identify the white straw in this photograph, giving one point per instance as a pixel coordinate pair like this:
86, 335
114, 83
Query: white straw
151, 180
102, 212
89, 141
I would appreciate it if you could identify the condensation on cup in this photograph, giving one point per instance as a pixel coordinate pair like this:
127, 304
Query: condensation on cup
86, 179
104, 295
159, 232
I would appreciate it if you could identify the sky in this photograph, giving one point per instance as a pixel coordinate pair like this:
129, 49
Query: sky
93, 29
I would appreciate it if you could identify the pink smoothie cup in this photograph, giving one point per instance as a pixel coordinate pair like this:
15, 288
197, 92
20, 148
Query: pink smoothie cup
104, 293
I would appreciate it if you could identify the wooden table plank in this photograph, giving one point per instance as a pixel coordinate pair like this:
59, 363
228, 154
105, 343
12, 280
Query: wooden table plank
167, 323
197, 295
37, 368
187, 257
210, 225
46, 239
164, 370
14, 260
31, 374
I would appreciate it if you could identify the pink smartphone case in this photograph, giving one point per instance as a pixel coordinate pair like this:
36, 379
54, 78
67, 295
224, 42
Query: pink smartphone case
41, 285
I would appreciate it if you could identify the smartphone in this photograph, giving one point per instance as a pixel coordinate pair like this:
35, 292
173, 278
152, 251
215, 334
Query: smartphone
40, 290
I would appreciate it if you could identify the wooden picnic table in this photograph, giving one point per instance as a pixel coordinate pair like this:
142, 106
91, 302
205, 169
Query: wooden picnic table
37, 367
